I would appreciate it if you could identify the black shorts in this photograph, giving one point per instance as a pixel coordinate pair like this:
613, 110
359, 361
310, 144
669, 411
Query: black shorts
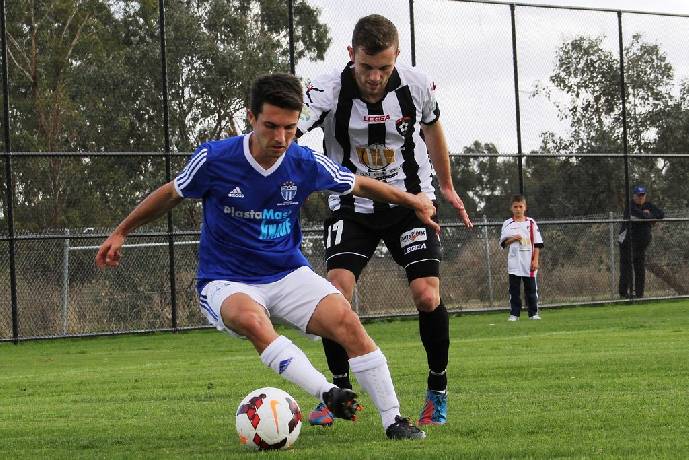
350, 241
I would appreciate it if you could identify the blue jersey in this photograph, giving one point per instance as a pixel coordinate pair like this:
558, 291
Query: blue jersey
251, 230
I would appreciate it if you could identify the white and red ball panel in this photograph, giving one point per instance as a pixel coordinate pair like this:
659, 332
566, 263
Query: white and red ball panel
268, 418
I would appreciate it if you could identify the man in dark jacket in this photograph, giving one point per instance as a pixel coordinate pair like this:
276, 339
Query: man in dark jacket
637, 233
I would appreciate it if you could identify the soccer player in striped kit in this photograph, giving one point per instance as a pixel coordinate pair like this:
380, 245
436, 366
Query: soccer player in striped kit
381, 119
521, 237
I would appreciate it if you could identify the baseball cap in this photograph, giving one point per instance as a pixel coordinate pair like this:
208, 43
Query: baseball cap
639, 190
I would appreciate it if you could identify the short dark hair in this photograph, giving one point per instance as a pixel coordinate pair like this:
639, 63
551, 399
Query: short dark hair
518, 198
279, 89
375, 33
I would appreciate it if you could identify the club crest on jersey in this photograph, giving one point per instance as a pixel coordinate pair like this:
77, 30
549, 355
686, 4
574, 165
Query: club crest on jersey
375, 156
402, 125
288, 190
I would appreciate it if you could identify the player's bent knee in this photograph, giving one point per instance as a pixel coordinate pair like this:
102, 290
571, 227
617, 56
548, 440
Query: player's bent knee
426, 293
426, 301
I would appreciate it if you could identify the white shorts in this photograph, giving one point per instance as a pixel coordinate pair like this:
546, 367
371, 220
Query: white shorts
291, 300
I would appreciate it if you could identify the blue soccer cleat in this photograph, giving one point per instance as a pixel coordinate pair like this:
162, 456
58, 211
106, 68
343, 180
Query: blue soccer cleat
321, 416
434, 412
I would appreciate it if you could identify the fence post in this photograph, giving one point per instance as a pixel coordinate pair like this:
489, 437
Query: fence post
9, 183
517, 112
611, 230
290, 36
168, 162
65, 282
412, 33
490, 274
625, 148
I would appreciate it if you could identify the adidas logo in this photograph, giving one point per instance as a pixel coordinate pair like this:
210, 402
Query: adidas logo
283, 365
236, 193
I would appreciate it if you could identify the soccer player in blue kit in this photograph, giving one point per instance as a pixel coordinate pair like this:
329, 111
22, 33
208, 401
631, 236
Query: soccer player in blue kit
250, 264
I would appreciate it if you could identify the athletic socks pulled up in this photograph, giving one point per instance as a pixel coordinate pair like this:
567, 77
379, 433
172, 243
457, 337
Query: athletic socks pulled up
291, 363
372, 373
434, 329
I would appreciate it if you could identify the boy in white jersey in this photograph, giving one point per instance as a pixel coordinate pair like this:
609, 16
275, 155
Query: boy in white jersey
250, 263
521, 237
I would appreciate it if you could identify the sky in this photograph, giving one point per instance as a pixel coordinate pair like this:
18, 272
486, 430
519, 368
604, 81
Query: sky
466, 48
656, 6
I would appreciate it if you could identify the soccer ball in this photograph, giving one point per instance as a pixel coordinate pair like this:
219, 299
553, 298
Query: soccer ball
268, 418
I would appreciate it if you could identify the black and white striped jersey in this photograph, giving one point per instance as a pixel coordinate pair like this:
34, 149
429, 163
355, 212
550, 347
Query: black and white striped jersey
381, 140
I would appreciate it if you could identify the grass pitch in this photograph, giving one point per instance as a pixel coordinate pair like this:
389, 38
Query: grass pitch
599, 382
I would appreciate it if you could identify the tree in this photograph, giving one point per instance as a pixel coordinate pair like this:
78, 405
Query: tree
484, 181
588, 75
673, 137
85, 76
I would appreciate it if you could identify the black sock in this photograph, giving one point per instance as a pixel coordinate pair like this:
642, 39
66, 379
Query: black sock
338, 363
434, 328
437, 382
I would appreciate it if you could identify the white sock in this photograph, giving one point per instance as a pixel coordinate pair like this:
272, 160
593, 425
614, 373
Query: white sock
372, 373
291, 363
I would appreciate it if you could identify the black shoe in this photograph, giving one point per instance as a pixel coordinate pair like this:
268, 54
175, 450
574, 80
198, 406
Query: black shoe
404, 429
342, 403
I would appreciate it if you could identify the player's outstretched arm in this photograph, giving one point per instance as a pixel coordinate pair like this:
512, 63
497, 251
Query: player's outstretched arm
153, 206
380, 191
437, 151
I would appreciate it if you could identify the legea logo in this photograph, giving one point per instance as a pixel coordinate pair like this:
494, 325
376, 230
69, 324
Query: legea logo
376, 118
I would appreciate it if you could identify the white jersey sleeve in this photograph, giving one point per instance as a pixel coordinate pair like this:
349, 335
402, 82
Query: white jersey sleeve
505, 231
537, 238
430, 112
320, 98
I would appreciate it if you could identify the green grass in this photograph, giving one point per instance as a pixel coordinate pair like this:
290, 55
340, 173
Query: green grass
584, 382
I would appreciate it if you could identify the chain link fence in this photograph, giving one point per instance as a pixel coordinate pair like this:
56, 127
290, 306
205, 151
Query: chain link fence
61, 292
109, 105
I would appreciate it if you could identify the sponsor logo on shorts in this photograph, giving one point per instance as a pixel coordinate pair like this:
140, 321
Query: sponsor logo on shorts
414, 235
415, 247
